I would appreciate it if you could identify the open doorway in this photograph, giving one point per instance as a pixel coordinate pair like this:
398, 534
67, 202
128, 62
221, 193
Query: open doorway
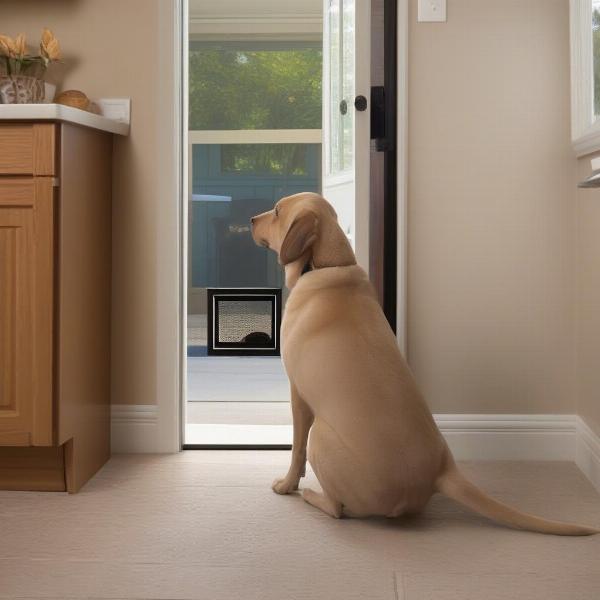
254, 135
279, 103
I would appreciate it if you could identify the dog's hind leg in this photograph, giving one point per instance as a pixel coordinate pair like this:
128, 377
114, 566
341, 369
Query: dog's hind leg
327, 504
303, 419
323, 446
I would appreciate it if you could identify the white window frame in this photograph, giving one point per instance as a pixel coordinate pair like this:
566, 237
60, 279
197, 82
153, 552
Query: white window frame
585, 126
254, 136
256, 27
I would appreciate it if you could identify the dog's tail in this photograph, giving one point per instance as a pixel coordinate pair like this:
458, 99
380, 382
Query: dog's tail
454, 485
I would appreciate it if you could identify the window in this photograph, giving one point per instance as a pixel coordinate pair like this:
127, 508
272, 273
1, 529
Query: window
254, 121
585, 75
254, 136
262, 85
596, 54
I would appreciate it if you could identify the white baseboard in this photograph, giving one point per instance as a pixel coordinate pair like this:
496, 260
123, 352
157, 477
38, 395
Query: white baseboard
134, 428
470, 437
587, 455
509, 437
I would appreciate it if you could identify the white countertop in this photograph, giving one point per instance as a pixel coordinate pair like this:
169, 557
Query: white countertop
67, 114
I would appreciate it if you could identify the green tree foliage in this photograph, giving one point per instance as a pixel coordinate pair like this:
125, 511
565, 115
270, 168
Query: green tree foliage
254, 89
265, 159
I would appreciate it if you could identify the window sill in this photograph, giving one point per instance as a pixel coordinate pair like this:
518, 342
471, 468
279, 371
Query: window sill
589, 142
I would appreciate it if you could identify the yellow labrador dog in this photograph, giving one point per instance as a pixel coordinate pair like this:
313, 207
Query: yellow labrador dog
374, 445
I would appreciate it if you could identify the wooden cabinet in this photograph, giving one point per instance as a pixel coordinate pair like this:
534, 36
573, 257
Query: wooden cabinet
26, 308
55, 256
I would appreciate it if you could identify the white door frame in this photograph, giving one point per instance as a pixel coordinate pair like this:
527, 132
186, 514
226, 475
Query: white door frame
170, 243
353, 182
170, 232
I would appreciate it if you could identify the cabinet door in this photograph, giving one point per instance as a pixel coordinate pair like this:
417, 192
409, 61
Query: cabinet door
26, 311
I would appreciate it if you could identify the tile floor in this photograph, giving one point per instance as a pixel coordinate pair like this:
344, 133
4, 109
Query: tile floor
205, 525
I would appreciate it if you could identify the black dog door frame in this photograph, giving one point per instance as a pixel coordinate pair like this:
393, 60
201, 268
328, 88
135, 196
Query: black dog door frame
259, 345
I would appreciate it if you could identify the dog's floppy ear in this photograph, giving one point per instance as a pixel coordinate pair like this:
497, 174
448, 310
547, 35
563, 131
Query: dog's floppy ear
300, 236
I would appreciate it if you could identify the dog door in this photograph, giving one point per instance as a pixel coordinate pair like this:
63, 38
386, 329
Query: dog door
244, 321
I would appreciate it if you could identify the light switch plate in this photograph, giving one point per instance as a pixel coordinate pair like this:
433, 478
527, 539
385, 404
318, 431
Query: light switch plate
432, 11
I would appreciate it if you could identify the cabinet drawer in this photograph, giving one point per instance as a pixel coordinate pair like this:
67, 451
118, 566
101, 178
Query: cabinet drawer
28, 149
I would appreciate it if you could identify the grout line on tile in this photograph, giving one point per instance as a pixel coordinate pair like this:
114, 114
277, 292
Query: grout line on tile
397, 596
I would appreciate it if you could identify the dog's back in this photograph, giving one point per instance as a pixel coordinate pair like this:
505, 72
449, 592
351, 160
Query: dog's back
342, 356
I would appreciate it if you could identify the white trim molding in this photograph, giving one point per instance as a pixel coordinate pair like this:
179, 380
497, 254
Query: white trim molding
170, 155
588, 142
301, 26
587, 455
585, 128
509, 437
470, 436
257, 19
134, 428
255, 136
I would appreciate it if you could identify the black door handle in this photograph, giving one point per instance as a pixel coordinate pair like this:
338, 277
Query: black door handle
360, 103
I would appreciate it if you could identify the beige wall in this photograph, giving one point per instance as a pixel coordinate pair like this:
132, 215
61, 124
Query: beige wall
493, 235
491, 219
587, 206
110, 49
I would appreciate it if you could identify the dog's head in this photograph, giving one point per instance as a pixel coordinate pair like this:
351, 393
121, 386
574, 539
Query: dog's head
303, 229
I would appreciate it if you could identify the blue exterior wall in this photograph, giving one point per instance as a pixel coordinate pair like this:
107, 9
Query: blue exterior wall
222, 251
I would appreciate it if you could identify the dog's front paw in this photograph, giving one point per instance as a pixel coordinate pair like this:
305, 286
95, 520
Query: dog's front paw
284, 486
